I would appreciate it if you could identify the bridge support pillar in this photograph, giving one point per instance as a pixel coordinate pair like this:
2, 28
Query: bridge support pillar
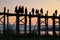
54, 33
4, 21
29, 23
17, 24
38, 26
59, 25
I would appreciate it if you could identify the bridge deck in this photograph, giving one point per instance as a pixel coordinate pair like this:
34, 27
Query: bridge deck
14, 14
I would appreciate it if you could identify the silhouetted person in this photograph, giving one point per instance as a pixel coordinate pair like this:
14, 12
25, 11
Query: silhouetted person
56, 12
32, 11
16, 10
26, 10
21, 9
47, 12
41, 11
37, 12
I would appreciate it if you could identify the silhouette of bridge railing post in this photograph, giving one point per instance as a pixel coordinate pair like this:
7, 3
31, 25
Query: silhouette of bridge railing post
17, 21
30, 23
25, 19
46, 23
39, 22
54, 15
8, 22
59, 25
38, 25
4, 21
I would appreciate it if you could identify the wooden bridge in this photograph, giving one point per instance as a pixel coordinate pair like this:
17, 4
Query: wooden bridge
21, 12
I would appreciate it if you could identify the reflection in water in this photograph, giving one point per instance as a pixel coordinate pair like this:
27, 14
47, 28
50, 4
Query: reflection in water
42, 32
49, 32
57, 32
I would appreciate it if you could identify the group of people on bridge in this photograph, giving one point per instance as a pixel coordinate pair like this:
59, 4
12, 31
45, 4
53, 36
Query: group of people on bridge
22, 10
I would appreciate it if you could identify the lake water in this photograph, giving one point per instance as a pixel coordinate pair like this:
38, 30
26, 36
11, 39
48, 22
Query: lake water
32, 28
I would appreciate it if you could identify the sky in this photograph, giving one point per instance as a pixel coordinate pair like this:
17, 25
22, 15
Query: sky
50, 5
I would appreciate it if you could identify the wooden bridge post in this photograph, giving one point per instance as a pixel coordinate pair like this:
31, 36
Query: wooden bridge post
59, 25
25, 19
8, 22
46, 24
30, 23
4, 21
17, 21
38, 25
54, 25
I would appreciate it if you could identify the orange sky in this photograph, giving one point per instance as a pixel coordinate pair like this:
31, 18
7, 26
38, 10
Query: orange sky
50, 5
